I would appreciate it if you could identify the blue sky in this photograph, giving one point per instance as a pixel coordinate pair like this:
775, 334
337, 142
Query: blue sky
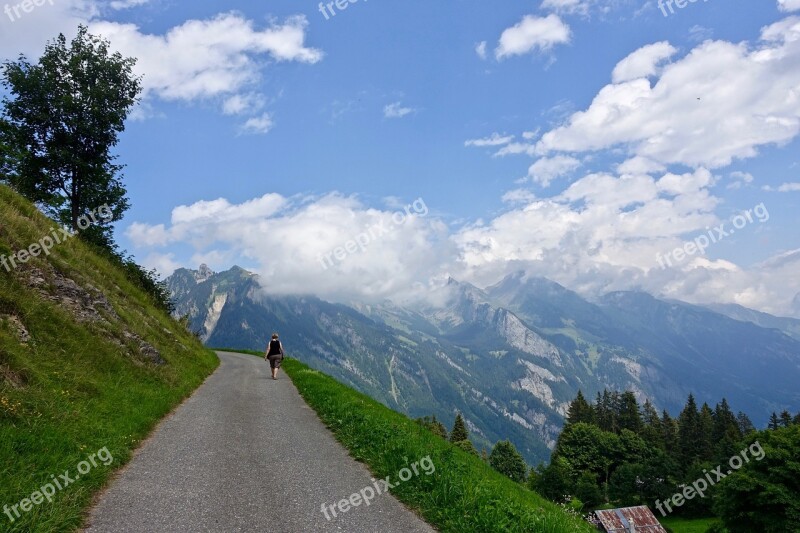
579, 140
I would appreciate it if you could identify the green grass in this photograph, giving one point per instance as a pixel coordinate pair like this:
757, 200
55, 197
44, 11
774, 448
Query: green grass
464, 494
688, 525
76, 388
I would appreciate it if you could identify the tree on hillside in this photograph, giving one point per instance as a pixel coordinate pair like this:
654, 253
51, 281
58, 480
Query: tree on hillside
705, 432
726, 434
432, 424
629, 416
745, 424
774, 422
796, 419
507, 460
60, 124
669, 428
652, 430
689, 438
763, 495
459, 432
580, 411
786, 419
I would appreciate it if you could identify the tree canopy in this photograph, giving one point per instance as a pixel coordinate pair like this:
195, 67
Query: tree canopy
61, 119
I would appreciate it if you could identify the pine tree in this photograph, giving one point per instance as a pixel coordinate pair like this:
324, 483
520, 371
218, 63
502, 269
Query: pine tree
796, 419
705, 433
669, 428
580, 411
629, 417
459, 432
727, 432
786, 419
688, 433
652, 431
507, 460
745, 424
774, 422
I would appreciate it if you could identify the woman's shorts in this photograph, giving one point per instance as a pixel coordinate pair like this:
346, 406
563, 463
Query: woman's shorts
275, 361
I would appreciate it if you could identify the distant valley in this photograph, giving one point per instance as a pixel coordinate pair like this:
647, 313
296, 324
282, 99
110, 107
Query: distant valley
510, 357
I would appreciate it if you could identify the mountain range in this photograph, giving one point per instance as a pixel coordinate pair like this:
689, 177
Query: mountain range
510, 357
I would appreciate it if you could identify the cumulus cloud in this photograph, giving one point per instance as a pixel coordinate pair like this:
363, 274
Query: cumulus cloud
643, 62
789, 5
604, 232
289, 242
546, 169
218, 59
531, 34
689, 115
202, 59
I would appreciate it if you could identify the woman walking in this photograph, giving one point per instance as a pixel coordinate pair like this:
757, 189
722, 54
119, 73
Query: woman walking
275, 355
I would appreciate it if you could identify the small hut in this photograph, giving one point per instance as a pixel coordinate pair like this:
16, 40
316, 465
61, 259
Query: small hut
629, 520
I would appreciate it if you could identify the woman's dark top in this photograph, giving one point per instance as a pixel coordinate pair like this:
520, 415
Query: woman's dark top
275, 349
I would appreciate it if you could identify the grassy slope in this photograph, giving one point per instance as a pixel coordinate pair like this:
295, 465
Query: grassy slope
464, 494
73, 389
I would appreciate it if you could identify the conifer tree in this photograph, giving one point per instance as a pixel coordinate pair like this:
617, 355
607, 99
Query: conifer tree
580, 411
459, 432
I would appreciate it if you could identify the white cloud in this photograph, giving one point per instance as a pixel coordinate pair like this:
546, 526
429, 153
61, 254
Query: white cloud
239, 104
546, 169
532, 33
286, 240
127, 4
786, 187
495, 139
261, 124
690, 114
202, 59
788, 5
740, 179
219, 59
397, 110
643, 62
480, 49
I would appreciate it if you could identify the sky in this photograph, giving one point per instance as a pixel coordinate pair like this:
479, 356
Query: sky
368, 150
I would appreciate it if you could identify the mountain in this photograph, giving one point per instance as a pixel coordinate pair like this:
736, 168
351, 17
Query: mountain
790, 326
510, 357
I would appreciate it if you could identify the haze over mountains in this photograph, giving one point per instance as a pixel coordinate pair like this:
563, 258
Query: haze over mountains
510, 357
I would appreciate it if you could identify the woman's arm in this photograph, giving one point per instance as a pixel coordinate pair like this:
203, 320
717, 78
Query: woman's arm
281, 345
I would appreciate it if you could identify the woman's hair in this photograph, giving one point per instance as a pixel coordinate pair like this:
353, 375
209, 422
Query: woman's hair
274, 336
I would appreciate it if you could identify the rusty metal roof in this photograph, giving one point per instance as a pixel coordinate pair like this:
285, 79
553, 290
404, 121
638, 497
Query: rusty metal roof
639, 519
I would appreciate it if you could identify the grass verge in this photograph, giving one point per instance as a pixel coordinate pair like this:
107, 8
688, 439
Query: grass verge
464, 493
70, 388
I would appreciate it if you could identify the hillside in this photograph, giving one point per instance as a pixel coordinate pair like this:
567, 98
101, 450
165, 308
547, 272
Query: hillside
88, 365
509, 357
